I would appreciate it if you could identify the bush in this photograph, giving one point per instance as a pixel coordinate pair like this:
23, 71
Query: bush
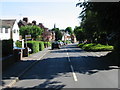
33, 45
88, 46
99, 47
18, 44
81, 45
41, 46
95, 47
7, 47
47, 44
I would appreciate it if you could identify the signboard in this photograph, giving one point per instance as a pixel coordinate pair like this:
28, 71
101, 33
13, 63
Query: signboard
27, 37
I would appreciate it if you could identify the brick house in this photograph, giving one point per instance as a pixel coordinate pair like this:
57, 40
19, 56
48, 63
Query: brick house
47, 35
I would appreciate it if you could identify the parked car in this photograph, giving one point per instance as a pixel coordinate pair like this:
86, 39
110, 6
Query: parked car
55, 44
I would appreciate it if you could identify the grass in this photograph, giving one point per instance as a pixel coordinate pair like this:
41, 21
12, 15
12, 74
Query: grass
96, 47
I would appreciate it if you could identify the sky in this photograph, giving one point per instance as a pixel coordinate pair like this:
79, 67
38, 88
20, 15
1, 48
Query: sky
63, 13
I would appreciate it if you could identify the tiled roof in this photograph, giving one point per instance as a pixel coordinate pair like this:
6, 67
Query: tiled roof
7, 23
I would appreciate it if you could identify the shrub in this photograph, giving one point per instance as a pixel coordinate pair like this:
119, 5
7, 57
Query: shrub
18, 44
41, 46
95, 47
47, 44
87, 46
33, 45
7, 47
81, 45
99, 47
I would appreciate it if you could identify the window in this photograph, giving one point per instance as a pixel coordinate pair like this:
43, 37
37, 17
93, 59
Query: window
6, 30
1, 30
17, 31
14, 31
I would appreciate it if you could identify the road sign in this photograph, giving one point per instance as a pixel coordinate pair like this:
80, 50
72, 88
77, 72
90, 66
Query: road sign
27, 37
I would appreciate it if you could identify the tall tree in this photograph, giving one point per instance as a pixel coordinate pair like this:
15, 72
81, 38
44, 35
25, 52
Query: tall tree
79, 33
69, 30
58, 34
107, 17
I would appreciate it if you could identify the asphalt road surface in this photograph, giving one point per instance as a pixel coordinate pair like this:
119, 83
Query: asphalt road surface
70, 67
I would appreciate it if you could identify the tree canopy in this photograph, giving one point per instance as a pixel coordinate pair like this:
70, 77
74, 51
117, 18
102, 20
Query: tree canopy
32, 30
58, 34
100, 20
69, 29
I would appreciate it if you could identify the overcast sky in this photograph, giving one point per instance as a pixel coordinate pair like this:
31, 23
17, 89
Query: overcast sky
63, 13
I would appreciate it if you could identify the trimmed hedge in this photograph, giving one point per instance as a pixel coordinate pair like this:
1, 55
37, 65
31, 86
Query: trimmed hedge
18, 44
7, 47
33, 45
47, 44
95, 47
41, 46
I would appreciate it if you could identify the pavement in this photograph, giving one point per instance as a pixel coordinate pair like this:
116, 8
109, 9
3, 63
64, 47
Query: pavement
14, 73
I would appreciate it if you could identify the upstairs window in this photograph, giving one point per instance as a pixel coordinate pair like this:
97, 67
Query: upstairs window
14, 31
6, 30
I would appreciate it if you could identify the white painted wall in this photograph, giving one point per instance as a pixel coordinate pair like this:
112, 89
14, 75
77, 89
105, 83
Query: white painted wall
4, 35
16, 34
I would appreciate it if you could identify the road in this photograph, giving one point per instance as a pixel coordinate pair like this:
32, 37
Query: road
70, 67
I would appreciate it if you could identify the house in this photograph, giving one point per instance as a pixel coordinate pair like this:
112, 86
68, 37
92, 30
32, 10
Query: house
48, 35
66, 36
9, 29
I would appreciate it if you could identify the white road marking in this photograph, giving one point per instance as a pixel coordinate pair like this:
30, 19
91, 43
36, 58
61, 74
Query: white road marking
74, 75
73, 72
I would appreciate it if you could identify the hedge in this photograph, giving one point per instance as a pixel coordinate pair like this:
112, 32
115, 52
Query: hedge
95, 47
33, 45
18, 44
41, 45
7, 47
47, 44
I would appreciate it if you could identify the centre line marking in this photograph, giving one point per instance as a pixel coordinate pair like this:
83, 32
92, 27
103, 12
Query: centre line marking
73, 72
74, 75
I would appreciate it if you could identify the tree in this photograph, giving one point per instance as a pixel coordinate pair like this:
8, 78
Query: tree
58, 34
69, 29
107, 17
34, 31
79, 33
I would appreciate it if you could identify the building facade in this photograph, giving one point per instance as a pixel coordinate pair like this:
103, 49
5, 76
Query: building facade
9, 29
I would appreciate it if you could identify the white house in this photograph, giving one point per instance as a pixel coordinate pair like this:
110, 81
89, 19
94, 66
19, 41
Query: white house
9, 29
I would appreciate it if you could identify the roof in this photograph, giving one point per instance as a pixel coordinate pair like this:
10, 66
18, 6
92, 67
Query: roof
6, 23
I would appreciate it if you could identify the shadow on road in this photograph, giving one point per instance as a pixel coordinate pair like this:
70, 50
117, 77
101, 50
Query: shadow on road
51, 68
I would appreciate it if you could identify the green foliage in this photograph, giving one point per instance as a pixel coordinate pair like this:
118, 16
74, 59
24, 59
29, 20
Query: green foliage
67, 42
33, 45
47, 44
81, 45
34, 31
69, 29
96, 47
79, 33
100, 17
58, 34
41, 46
18, 44
7, 47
